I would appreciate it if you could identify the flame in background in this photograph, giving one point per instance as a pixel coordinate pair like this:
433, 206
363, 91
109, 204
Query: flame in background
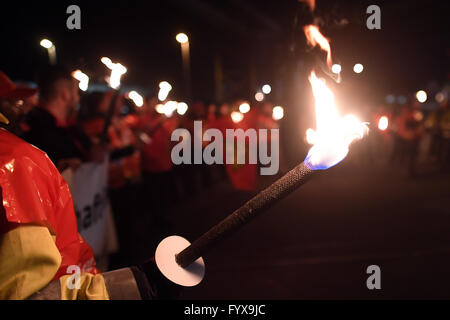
383, 123
82, 78
117, 70
310, 3
314, 37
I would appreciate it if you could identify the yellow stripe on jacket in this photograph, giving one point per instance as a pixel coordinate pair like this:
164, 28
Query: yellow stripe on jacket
29, 259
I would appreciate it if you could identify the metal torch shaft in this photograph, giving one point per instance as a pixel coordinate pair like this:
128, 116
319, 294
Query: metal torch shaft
263, 200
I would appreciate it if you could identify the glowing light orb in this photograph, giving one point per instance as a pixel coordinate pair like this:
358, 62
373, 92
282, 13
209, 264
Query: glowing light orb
244, 107
401, 100
383, 123
117, 70
182, 108
390, 99
82, 78
137, 98
160, 108
336, 68
170, 107
310, 136
259, 96
182, 38
440, 97
47, 44
165, 85
418, 116
266, 89
358, 68
421, 96
277, 113
106, 61
236, 116
164, 90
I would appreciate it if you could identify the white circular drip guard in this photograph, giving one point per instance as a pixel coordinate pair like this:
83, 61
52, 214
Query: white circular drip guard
190, 276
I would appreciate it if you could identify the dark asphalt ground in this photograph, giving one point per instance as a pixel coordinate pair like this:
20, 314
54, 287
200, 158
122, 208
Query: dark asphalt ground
318, 242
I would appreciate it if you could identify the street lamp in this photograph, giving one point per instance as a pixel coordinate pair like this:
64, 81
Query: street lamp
51, 49
183, 39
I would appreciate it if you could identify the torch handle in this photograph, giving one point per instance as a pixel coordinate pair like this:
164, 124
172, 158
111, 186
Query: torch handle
108, 117
263, 200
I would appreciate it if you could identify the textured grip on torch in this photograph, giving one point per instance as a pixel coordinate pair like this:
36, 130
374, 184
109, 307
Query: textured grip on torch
263, 200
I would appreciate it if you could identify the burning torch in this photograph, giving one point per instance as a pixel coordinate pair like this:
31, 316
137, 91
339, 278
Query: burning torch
117, 70
182, 262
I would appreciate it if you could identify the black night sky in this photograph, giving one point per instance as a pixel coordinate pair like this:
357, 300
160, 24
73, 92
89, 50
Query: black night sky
254, 41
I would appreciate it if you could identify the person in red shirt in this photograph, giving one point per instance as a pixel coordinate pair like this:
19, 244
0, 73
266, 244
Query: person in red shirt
243, 177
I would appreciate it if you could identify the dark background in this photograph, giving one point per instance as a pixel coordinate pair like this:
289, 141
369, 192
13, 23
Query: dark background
318, 242
256, 42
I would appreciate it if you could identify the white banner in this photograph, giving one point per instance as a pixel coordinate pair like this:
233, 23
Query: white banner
88, 185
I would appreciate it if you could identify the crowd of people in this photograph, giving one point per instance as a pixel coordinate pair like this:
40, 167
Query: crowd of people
93, 127
134, 144
407, 135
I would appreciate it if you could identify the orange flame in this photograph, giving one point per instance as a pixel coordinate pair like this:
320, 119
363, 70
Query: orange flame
334, 133
314, 37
